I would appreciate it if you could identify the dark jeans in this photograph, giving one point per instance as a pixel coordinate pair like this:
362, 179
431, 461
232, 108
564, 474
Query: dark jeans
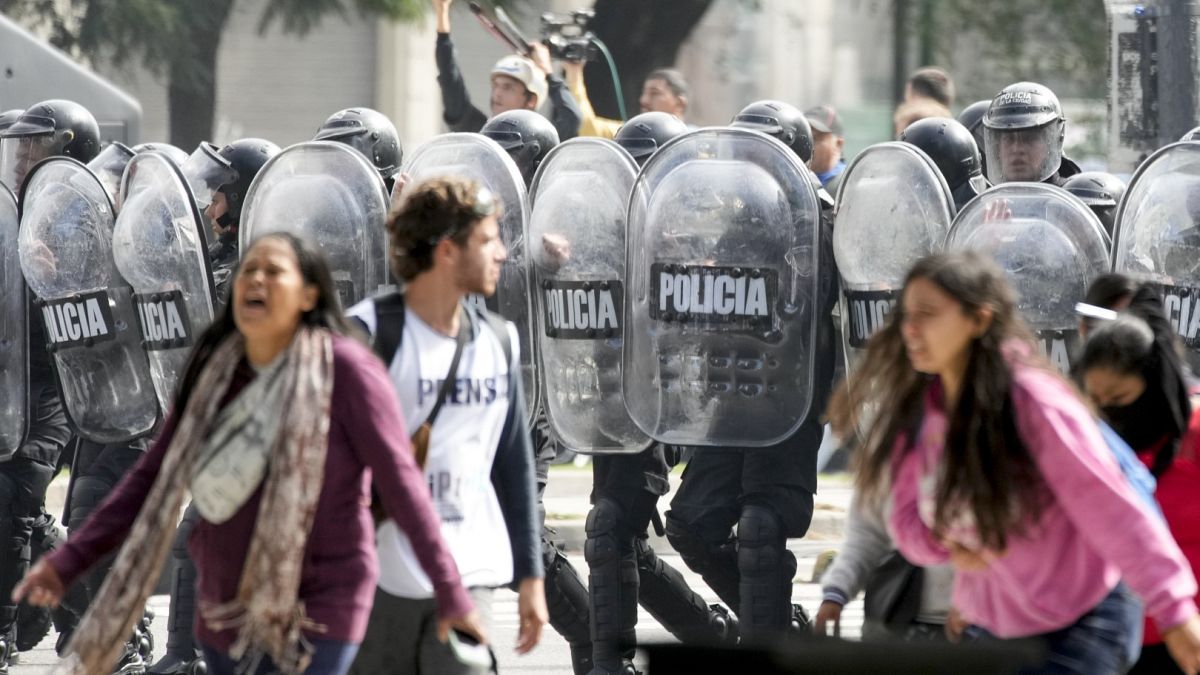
1105, 641
330, 658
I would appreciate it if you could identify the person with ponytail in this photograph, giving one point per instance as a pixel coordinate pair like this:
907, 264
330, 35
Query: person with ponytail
277, 420
1132, 371
996, 466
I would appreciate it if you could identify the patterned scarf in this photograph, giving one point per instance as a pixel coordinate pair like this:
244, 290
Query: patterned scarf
266, 612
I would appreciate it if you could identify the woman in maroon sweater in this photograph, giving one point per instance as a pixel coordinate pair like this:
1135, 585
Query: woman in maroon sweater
276, 423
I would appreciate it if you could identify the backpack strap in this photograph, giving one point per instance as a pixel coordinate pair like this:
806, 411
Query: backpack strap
389, 325
499, 326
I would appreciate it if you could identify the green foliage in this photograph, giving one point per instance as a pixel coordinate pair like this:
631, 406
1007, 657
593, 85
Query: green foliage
164, 32
301, 16
1053, 40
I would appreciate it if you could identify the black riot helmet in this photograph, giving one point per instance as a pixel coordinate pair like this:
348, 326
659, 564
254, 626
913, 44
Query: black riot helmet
1102, 193
1192, 135
177, 155
952, 148
971, 117
9, 118
55, 128
1023, 132
644, 134
526, 135
780, 120
368, 131
246, 157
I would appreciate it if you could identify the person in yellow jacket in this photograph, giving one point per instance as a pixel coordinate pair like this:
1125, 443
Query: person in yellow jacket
664, 90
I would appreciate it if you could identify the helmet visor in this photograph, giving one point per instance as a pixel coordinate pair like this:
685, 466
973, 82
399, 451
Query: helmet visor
18, 154
768, 125
509, 140
1030, 155
206, 171
109, 166
639, 147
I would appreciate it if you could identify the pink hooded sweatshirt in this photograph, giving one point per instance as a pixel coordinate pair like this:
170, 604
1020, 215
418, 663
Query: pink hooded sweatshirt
1092, 533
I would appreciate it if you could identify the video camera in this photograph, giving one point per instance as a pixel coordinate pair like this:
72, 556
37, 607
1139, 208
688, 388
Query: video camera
567, 37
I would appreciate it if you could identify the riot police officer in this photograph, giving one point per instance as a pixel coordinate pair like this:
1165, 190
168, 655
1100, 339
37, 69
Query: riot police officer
624, 569
1023, 132
246, 157
1102, 193
766, 492
951, 147
48, 129
785, 122
372, 134
527, 136
644, 134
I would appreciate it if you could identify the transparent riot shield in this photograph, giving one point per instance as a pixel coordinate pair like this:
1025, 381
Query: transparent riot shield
1051, 246
1158, 235
329, 194
894, 207
86, 308
160, 249
14, 336
720, 309
577, 229
481, 159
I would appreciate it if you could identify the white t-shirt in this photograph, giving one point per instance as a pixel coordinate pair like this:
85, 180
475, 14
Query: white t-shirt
462, 446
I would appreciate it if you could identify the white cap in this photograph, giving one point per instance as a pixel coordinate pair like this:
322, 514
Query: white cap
523, 70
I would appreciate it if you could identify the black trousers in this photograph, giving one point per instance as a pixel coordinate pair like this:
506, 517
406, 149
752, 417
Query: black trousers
23, 484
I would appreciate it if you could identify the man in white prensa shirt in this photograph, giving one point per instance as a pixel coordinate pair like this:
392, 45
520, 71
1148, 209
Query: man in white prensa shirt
445, 243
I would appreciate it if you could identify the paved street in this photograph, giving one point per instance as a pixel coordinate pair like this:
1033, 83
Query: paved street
566, 502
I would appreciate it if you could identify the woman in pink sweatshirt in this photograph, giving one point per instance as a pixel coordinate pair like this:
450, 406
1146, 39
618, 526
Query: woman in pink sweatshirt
998, 468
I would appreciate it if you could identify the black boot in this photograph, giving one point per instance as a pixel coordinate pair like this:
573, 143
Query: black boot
801, 623
6, 651
131, 662
724, 624
182, 655
33, 625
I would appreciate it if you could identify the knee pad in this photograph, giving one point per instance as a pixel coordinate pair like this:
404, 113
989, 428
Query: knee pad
761, 541
86, 495
603, 544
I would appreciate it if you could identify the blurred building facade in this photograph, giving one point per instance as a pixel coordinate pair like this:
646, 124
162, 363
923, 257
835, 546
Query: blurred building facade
806, 52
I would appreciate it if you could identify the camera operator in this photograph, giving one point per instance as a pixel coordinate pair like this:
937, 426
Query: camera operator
517, 82
664, 90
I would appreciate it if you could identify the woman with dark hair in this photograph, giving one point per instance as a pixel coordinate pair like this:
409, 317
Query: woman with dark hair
1130, 368
276, 421
997, 467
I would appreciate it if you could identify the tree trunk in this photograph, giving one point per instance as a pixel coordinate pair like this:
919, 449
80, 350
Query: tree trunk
192, 75
642, 36
899, 49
